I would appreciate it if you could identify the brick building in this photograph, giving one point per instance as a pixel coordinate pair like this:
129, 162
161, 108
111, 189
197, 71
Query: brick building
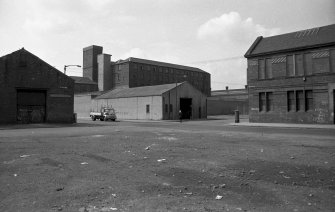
33, 91
135, 72
291, 77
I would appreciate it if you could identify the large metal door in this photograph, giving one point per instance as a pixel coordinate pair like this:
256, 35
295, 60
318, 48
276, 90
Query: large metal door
31, 106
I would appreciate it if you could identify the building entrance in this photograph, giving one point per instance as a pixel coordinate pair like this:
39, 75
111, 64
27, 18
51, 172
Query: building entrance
31, 106
186, 107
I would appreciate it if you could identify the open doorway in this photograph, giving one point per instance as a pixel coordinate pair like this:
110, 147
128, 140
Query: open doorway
186, 107
31, 106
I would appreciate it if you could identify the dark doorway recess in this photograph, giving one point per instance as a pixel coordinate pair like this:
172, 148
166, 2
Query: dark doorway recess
186, 107
31, 106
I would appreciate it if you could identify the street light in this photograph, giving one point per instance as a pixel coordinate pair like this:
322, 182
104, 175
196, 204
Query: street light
65, 66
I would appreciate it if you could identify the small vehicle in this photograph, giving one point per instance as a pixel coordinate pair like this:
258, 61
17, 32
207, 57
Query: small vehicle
104, 115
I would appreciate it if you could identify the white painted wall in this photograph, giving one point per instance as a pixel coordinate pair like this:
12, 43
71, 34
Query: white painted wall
134, 107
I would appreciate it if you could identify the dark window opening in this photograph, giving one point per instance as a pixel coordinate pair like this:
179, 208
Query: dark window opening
148, 108
299, 100
309, 100
290, 100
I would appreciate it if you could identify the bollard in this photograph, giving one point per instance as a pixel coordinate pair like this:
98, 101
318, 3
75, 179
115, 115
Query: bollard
237, 116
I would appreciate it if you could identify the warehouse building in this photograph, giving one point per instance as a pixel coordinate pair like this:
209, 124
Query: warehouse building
33, 91
135, 72
154, 102
291, 77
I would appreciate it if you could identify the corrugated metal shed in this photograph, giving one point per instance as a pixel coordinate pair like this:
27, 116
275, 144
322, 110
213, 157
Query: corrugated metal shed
292, 41
156, 90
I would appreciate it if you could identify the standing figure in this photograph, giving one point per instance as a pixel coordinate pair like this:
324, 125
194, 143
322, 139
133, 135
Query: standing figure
180, 116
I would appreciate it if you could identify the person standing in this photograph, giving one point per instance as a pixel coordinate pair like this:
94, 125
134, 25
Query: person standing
180, 116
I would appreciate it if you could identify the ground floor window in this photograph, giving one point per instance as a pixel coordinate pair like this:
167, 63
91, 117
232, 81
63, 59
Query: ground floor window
265, 101
148, 108
290, 101
300, 100
308, 100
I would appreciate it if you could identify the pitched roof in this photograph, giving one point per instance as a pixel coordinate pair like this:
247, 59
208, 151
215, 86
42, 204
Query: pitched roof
82, 80
158, 63
309, 38
155, 90
24, 51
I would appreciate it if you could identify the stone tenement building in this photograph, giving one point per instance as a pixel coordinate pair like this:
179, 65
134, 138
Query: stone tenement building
135, 72
291, 77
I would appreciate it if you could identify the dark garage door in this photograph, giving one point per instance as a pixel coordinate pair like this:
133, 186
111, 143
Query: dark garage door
31, 106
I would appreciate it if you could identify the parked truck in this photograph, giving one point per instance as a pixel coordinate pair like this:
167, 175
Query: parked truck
107, 113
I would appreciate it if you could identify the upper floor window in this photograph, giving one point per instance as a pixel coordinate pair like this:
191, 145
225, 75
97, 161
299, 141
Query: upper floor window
261, 69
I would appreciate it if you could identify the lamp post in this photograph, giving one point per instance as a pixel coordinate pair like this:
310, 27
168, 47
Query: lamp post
65, 66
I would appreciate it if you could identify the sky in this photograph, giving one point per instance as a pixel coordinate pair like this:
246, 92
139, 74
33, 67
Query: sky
212, 35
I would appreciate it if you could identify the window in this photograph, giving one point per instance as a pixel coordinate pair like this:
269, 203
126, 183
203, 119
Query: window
148, 108
262, 101
308, 100
299, 66
320, 62
269, 101
265, 101
268, 70
290, 100
299, 100
166, 108
261, 69
171, 108
290, 66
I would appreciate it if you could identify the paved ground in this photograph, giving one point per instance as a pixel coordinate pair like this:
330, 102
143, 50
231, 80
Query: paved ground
166, 166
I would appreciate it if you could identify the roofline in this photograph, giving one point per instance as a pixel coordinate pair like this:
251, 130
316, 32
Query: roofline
253, 46
291, 49
130, 59
91, 47
50, 66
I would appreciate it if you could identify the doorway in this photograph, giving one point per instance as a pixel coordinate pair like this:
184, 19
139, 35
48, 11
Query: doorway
31, 106
186, 107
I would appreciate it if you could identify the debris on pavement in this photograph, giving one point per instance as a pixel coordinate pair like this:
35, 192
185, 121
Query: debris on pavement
262, 150
24, 156
84, 163
218, 197
60, 189
15, 175
147, 148
161, 160
9, 162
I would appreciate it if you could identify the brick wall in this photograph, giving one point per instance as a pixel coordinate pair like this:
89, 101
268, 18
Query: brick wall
308, 70
23, 70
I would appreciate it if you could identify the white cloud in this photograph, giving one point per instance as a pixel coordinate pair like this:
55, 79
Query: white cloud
230, 27
230, 73
134, 52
